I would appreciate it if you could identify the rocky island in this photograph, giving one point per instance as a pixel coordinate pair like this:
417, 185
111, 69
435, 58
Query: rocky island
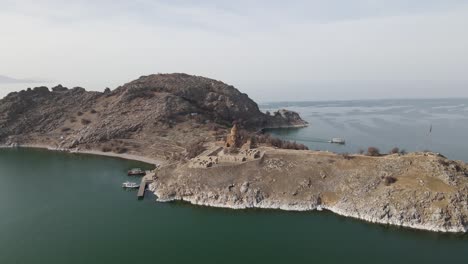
205, 134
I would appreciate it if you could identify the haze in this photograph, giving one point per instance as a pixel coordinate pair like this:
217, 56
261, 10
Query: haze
272, 50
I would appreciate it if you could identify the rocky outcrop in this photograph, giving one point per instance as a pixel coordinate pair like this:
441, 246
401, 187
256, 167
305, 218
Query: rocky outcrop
292, 119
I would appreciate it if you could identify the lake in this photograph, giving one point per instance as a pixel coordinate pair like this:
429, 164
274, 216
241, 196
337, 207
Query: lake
384, 124
70, 208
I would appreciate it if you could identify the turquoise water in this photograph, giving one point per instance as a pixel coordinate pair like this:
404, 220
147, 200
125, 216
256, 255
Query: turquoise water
68, 208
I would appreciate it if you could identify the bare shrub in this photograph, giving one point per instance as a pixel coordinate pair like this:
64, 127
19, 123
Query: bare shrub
85, 121
373, 151
346, 156
213, 127
444, 163
93, 111
66, 129
231, 151
121, 149
244, 135
199, 119
253, 142
72, 120
195, 149
106, 149
276, 142
395, 150
388, 180
79, 113
403, 152
361, 151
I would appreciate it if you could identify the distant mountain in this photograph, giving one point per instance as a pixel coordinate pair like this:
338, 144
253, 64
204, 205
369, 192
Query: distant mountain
6, 79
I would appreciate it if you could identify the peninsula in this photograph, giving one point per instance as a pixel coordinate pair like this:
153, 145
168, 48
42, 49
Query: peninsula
206, 135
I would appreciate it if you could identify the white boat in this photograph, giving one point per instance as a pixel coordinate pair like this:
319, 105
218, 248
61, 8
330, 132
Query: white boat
319, 208
132, 185
338, 141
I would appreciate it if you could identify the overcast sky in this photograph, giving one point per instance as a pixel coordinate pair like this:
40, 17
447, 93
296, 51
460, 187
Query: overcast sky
272, 50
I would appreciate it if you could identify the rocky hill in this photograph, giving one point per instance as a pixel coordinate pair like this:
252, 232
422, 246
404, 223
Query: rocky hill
163, 112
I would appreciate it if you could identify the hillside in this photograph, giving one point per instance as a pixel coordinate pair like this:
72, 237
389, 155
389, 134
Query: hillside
153, 115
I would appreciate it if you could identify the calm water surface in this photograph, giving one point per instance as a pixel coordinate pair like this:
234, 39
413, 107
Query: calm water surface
382, 123
66, 208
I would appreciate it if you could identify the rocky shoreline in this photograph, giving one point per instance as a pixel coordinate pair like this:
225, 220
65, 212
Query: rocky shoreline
307, 206
426, 195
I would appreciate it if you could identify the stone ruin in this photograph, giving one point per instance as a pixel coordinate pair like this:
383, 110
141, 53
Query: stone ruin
233, 139
215, 155
203, 162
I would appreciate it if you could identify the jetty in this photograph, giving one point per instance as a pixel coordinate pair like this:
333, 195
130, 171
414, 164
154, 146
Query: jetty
148, 178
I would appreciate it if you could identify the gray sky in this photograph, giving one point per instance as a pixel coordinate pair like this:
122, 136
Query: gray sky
272, 50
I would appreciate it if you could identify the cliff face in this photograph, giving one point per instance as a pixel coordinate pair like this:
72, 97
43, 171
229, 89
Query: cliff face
158, 110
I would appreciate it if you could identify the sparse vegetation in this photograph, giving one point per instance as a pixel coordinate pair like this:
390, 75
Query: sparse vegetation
373, 152
253, 142
93, 111
195, 149
121, 150
79, 113
199, 118
85, 121
361, 151
388, 180
276, 142
106, 149
66, 129
231, 151
117, 146
346, 156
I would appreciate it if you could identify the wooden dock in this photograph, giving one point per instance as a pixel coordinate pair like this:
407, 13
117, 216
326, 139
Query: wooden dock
148, 178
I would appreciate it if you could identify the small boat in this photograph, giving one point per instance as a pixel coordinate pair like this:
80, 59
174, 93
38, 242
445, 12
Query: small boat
136, 172
338, 141
130, 185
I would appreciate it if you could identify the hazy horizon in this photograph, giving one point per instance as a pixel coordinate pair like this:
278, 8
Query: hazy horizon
273, 51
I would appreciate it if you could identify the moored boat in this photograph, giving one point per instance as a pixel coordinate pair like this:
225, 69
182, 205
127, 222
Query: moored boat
136, 172
130, 185
338, 141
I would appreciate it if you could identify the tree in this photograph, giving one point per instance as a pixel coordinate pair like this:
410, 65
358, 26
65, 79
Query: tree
395, 150
373, 151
